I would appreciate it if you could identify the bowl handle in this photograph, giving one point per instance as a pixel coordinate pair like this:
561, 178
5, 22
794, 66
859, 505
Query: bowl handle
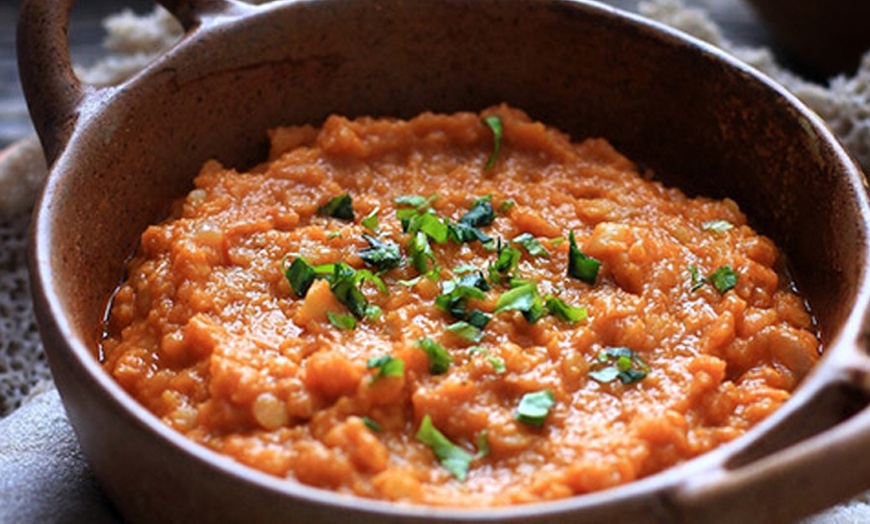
810, 459
56, 99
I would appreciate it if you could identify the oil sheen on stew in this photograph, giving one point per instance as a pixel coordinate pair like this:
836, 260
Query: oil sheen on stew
464, 310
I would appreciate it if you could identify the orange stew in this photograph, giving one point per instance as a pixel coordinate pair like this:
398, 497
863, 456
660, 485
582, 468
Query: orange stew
462, 310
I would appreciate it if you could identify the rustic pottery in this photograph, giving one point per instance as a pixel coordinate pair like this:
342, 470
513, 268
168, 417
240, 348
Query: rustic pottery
705, 122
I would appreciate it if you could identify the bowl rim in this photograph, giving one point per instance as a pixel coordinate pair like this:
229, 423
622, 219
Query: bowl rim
54, 317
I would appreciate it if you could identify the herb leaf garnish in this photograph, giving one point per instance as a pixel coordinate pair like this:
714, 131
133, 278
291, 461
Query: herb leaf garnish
481, 212
439, 358
371, 424
497, 363
580, 266
570, 314
534, 408
531, 245
301, 275
523, 297
387, 366
495, 125
456, 293
343, 322
381, 254
338, 207
723, 279
370, 221
466, 330
453, 458
621, 363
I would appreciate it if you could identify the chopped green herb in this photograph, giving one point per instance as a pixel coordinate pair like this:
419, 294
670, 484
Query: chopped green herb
558, 308
416, 201
338, 207
421, 254
464, 268
344, 284
621, 363
723, 279
534, 407
455, 294
461, 233
505, 207
381, 254
697, 279
523, 297
494, 123
717, 226
579, 265
497, 363
301, 275
507, 260
452, 457
481, 212
411, 282
371, 424
434, 227
556, 242
531, 245
386, 366
343, 322
466, 331
439, 358
334, 234
483, 447
371, 221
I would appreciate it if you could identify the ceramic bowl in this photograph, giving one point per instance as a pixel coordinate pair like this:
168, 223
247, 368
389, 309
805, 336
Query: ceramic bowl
701, 120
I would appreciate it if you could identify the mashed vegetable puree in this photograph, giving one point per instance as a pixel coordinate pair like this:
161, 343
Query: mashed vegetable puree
463, 310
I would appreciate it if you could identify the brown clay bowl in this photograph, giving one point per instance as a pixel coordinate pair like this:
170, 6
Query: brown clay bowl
705, 122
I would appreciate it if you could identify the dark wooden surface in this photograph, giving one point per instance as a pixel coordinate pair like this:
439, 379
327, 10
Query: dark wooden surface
86, 34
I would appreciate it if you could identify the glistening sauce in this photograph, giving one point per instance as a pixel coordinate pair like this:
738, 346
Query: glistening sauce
452, 370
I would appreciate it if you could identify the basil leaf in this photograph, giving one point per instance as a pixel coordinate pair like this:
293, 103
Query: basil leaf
580, 266
562, 311
505, 263
338, 207
697, 279
480, 214
371, 424
497, 363
386, 366
534, 408
483, 447
605, 375
505, 207
381, 254
531, 245
421, 254
371, 221
524, 298
455, 294
466, 330
453, 458
415, 201
723, 279
495, 125
343, 322
301, 275
461, 233
624, 364
439, 358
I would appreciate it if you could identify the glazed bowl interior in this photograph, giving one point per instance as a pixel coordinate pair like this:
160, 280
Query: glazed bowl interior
719, 130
